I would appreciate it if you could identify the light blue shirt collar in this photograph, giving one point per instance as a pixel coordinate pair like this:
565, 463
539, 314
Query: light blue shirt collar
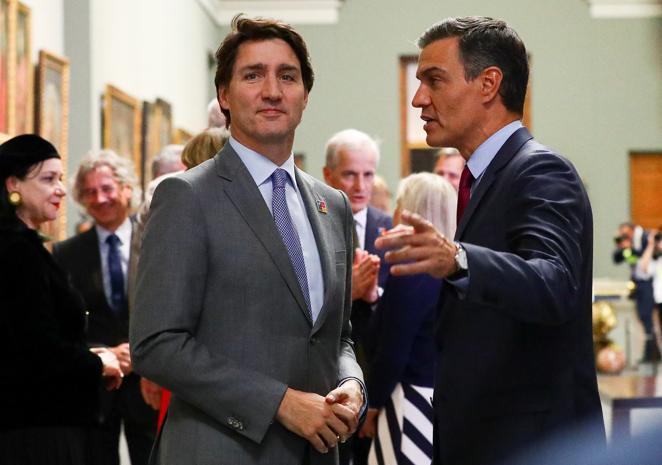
485, 153
259, 166
123, 232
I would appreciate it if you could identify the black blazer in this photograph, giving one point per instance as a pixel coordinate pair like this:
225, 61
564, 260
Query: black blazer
48, 377
80, 257
515, 356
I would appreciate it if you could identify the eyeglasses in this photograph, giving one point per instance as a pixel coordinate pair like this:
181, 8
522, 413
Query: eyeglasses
106, 189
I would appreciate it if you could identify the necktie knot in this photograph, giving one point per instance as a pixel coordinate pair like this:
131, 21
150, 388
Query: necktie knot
113, 240
466, 179
464, 191
279, 178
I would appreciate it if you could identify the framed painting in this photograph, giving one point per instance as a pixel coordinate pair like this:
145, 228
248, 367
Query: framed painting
52, 117
24, 80
182, 136
121, 125
150, 141
157, 133
7, 66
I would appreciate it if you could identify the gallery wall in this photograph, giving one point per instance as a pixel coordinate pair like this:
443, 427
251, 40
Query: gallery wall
596, 89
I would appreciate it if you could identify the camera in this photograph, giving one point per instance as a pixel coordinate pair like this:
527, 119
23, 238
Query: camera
621, 238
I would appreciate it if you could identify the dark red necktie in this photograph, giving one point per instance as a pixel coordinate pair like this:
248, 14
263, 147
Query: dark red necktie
464, 192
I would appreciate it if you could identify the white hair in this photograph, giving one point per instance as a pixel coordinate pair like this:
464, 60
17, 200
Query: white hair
215, 117
122, 169
352, 139
432, 197
168, 160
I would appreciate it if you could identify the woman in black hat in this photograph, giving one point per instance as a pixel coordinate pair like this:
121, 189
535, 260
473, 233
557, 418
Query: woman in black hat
48, 378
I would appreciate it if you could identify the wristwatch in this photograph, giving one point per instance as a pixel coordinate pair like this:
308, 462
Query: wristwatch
460, 260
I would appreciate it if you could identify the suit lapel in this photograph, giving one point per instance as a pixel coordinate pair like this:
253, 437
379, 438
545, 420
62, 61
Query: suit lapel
91, 260
503, 156
322, 239
370, 232
246, 197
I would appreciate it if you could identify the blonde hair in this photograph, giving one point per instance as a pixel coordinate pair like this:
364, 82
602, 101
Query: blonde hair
204, 146
432, 197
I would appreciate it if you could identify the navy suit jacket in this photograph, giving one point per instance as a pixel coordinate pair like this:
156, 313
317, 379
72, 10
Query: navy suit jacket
515, 357
362, 311
375, 220
403, 341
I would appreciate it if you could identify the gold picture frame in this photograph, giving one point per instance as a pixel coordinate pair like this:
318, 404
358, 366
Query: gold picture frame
52, 119
157, 133
7, 67
182, 136
121, 125
24, 72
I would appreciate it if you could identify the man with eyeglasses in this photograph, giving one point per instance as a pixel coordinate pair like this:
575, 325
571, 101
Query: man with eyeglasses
98, 262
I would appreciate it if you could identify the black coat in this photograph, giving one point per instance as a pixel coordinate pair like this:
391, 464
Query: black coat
48, 375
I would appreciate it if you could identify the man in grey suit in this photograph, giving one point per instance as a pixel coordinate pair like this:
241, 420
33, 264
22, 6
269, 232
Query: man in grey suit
243, 300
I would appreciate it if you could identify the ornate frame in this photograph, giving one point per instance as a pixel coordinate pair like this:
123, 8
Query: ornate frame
113, 97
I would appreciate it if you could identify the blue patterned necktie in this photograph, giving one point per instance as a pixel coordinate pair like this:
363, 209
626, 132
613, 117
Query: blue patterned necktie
288, 232
117, 297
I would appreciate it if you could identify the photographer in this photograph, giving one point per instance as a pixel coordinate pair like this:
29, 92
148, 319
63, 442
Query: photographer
631, 241
650, 266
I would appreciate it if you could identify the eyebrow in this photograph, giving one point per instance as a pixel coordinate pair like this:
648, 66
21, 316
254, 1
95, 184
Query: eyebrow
431, 70
262, 67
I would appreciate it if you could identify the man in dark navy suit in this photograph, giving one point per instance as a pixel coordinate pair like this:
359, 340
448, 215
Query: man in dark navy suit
352, 157
514, 346
98, 262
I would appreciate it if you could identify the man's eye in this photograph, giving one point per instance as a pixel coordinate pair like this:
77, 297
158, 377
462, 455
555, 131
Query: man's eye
250, 76
288, 77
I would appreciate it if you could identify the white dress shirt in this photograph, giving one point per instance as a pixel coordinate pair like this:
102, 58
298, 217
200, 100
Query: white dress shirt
261, 169
360, 220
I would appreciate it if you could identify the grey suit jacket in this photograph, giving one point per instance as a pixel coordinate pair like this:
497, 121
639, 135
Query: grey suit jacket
220, 319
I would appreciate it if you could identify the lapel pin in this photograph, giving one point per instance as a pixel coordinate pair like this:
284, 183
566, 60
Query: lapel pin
321, 206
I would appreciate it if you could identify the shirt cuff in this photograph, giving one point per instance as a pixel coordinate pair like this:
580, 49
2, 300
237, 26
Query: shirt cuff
364, 391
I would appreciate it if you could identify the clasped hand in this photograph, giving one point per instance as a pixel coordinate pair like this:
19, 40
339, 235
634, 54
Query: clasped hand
418, 248
323, 421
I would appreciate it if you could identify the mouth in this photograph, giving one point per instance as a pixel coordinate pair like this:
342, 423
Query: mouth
271, 111
429, 121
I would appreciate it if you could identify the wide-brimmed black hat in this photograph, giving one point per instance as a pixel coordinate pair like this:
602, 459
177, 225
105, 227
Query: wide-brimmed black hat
21, 152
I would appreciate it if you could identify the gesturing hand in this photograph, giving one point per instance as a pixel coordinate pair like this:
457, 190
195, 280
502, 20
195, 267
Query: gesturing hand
124, 356
311, 417
423, 248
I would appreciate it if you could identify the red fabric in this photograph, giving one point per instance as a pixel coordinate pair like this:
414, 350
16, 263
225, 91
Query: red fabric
165, 402
464, 192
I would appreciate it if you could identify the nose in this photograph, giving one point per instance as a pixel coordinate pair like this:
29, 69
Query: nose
359, 183
271, 88
421, 97
60, 189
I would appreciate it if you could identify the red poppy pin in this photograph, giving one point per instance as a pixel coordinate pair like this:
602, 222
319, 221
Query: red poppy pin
321, 206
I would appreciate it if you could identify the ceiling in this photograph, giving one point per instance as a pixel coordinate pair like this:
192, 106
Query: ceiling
290, 11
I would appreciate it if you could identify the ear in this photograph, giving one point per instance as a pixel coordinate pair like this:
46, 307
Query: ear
490, 81
222, 98
305, 99
11, 183
327, 174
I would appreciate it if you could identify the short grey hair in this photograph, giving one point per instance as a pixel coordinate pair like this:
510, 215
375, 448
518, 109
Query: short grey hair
122, 168
215, 117
448, 152
349, 139
432, 197
168, 160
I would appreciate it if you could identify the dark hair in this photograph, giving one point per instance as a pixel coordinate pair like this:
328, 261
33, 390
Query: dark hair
485, 42
258, 29
19, 156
